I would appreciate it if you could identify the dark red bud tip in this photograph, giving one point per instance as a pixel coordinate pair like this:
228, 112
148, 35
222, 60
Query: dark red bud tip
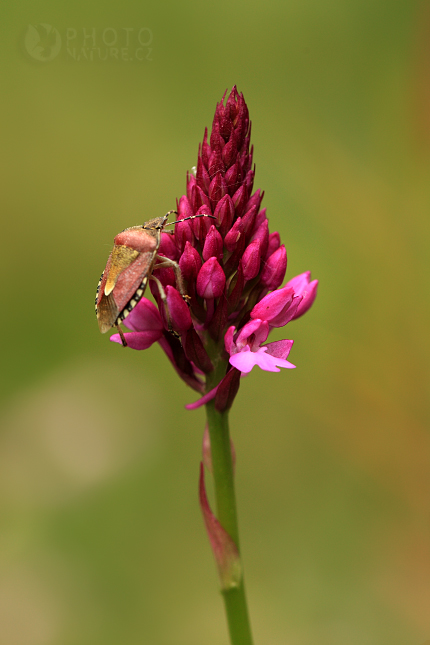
227, 390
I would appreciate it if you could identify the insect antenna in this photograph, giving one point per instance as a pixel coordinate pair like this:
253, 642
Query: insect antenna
190, 217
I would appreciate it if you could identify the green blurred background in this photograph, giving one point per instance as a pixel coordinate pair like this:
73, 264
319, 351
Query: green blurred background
101, 539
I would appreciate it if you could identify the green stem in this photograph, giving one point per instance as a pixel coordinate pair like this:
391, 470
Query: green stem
222, 467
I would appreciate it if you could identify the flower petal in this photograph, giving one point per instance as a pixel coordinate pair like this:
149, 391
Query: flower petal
274, 304
228, 340
299, 282
258, 328
144, 317
244, 360
279, 348
138, 339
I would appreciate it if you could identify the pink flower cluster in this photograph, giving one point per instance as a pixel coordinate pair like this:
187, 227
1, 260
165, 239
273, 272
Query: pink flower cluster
232, 268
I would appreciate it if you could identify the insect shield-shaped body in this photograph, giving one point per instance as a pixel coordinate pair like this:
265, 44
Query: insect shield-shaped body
128, 269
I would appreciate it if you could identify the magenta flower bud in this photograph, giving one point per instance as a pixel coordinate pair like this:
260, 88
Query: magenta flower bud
202, 176
251, 260
262, 234
213, 246
277, 308
217, 189
239, 200
248, 221
166, 275
261, 217
274, 243
191, 181
210, 280
179, 313
198, 198
233, 178
255, 200
229, 153
206, 151
303, 287
201, 225
274, 269
190, 262
216, 163
183, 230
217, 142
184, 209
168, 246
224, 212
249, 179
232, 237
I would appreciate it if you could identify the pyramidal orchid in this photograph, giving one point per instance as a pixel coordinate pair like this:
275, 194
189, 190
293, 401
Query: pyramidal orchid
232, 268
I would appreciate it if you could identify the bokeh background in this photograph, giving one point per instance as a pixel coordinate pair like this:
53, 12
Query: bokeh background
101, 539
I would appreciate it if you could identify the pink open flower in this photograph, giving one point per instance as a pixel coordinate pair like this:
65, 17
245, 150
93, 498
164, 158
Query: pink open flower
302, 286
146, 323
247, 350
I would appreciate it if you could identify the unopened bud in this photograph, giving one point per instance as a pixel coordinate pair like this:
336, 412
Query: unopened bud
213, 246
190, 262
210, 280
179, 313
274, 269
251, 260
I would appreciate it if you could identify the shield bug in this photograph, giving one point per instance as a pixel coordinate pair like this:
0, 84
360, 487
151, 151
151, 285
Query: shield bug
128, 269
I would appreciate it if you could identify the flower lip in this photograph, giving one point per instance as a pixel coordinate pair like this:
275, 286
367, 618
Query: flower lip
247, 351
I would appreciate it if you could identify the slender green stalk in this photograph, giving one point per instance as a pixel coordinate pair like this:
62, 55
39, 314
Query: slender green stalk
222, 467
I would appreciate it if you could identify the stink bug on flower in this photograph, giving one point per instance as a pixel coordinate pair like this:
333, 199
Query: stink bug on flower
129, 267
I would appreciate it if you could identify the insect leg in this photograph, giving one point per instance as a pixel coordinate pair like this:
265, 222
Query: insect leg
164, 300
167, 262
124, 342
